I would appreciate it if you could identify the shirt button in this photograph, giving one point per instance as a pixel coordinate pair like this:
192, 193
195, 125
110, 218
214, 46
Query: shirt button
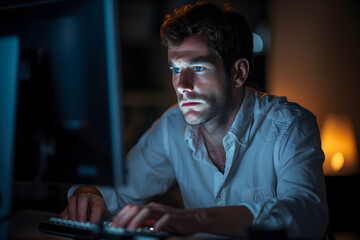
218, 200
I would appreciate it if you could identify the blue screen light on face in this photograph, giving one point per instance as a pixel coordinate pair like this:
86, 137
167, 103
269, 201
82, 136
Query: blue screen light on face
258, 43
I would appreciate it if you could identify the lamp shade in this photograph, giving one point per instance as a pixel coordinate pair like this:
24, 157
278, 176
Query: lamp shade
339, 145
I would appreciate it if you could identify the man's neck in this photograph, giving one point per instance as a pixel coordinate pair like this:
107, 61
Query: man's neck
214, 131
213, 135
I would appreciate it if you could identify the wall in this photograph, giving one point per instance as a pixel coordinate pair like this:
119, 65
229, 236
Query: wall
315, 56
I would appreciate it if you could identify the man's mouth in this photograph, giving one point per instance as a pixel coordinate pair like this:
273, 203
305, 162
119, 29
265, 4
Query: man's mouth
188, 104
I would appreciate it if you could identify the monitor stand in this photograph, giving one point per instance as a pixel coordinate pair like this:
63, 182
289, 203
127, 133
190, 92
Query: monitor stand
9, 61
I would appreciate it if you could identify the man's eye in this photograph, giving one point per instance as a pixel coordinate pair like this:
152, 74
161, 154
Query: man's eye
176, 70
199, 69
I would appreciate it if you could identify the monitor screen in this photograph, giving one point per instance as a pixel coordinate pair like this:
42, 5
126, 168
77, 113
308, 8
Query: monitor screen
9, 57
68, 115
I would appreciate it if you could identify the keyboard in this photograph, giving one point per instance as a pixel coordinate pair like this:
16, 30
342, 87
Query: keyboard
79, 230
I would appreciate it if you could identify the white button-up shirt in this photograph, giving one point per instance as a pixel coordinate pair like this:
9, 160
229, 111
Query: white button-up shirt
273, 166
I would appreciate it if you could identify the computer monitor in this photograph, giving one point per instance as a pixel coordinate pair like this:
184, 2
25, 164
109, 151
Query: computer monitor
9, 59
68, 115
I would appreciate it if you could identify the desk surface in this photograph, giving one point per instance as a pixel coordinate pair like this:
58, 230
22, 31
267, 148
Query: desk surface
24, 226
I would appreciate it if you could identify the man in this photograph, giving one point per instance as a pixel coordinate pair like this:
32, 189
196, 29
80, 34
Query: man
240, 157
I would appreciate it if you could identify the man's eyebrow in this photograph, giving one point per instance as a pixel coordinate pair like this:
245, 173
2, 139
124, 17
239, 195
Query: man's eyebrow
198, 60
201, 60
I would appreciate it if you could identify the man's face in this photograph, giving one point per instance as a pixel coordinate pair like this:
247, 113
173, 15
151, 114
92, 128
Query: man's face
198, 78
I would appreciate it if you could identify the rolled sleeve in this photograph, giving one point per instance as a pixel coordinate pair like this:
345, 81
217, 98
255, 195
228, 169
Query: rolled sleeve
108, 193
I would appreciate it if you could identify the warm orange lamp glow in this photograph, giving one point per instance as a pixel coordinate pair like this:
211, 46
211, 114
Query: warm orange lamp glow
339, 146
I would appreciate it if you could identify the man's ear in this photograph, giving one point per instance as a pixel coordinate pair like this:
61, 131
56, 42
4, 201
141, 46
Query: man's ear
241, 71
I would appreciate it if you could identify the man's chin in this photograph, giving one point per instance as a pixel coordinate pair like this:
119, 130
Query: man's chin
192, 123
192, 118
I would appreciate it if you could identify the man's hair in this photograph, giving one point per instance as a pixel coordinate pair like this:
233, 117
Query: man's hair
223, 25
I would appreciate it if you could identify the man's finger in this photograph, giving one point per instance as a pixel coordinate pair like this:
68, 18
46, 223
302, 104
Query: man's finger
96, 213
72, 206
82, 206
121, 213
162, 223
140, 218
65, 213
126, 215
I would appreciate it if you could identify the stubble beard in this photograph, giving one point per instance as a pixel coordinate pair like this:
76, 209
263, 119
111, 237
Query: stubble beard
215, 113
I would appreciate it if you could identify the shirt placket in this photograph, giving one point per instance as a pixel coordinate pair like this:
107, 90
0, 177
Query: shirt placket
220, 186
219, 196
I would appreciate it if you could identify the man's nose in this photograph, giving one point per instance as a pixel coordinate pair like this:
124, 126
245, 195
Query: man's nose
185, 83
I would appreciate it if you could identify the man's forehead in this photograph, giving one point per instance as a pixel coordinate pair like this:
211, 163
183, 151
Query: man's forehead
188, 52
191, 46
190, 55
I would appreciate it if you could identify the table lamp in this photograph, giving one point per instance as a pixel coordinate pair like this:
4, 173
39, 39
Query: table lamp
339, 145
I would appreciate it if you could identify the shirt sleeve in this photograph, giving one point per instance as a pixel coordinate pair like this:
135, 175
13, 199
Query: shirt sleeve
107, 192
300, 204
148, 170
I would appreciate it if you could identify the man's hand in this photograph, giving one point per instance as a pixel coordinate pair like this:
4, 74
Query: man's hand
231, 221
161, 217
86, 204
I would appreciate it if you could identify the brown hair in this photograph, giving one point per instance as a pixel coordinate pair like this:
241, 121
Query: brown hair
227, 30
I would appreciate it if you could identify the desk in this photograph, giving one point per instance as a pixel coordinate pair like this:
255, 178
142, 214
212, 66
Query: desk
24, 226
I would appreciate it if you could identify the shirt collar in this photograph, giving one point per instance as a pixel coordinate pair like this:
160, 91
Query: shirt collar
242, 124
